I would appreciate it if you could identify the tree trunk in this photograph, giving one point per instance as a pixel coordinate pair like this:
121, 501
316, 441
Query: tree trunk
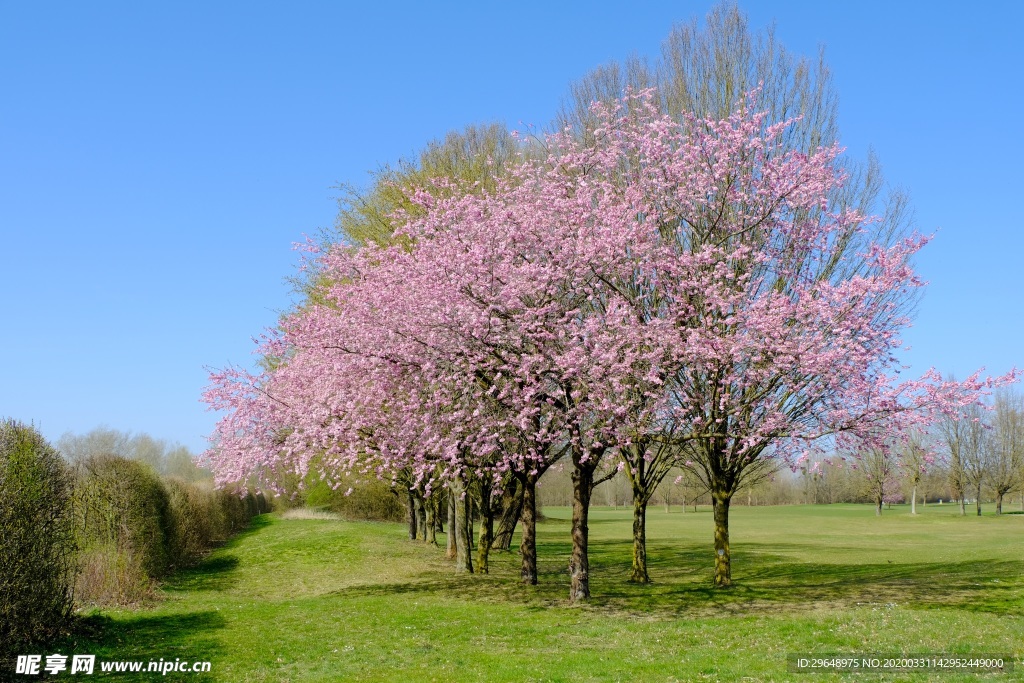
463, 538
450, 550
878, 506
639, 574
421, 519
977, 499
579, 562
913, 500
470, 516
486, 528
511, 511
528, 546
412, 514
430, 512
723, 559
999, 502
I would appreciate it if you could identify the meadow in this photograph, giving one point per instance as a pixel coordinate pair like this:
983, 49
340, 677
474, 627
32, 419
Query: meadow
292, 600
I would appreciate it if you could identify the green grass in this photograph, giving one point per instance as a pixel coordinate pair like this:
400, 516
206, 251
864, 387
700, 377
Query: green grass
322, 600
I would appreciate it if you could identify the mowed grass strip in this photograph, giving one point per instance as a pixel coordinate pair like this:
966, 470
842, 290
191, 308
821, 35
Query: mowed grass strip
324, 600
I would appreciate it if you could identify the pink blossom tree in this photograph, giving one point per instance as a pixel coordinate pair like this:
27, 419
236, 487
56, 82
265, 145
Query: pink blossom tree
688, 285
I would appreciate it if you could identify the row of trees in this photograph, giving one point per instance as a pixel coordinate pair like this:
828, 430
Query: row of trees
825, 484
986, 449
684, 276
166, 458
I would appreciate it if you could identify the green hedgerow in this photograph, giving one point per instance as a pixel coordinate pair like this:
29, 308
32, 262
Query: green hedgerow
37, 544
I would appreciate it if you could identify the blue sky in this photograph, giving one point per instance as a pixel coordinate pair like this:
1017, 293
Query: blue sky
158, 160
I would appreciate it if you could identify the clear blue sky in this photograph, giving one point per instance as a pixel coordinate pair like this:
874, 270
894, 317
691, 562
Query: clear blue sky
158, 160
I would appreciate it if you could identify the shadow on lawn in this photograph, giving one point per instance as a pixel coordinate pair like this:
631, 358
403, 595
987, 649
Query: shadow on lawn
765, 581
189, 636
216, 571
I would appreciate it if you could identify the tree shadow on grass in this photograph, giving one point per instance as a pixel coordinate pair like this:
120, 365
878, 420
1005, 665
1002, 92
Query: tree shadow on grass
216, 571
256, 524
767, 579
187, 636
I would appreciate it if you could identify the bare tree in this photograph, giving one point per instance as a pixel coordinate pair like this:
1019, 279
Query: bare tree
914, 460
953, 432
470, 161
881, 474
100, 441
1004, 447
973, 451
161, 455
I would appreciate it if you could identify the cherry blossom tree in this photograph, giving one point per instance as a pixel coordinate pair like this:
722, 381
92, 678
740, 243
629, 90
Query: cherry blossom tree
689, 287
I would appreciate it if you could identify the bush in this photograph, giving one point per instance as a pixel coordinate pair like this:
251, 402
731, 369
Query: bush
262, 504
124, 528
235, 512
198, 517
37, 549
192, 522
369, 499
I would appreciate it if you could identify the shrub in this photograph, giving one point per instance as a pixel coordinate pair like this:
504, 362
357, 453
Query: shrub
369, 499
235, 512
200, 517
124, 527
192, 522
37, 550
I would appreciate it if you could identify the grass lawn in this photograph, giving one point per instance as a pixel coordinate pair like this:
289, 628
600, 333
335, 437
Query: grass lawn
322, 600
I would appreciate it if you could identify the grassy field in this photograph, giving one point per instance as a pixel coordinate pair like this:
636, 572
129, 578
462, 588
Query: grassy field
325, 600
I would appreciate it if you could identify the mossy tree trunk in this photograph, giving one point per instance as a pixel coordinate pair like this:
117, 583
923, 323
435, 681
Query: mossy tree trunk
636, 472
579, 561
411, 507
430, 512
450, 550
421, 518
639, 574
471, 511
486, 527
461, 528
647, 463
723, 555
440, 498
528, 544
511, 511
